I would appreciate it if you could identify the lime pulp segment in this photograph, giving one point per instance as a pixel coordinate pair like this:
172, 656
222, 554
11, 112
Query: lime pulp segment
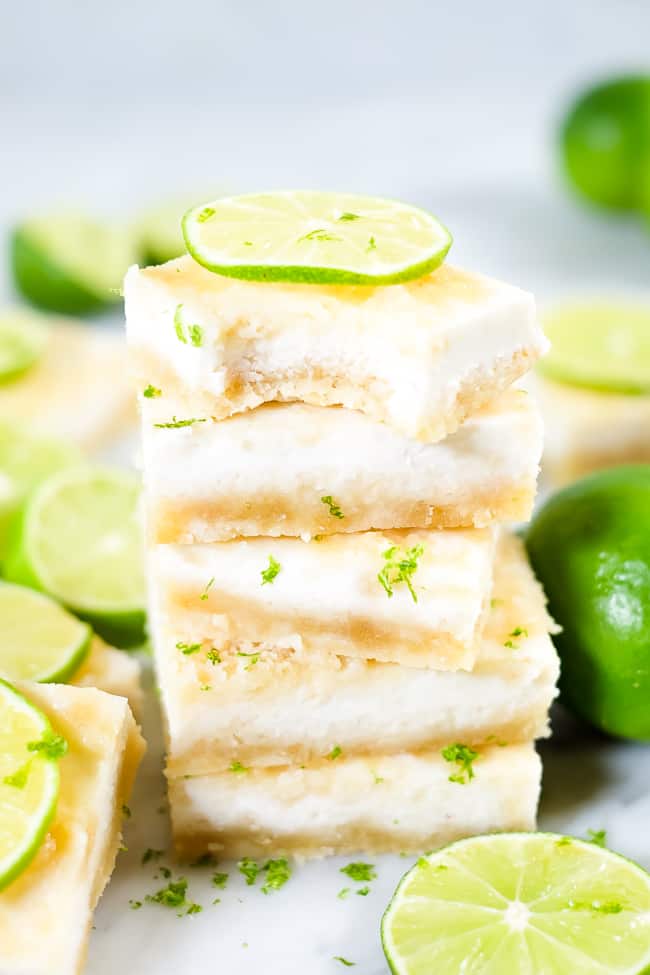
41, 641
23, 338
520, 903
29, 783
603, 345
79, 540
313, 237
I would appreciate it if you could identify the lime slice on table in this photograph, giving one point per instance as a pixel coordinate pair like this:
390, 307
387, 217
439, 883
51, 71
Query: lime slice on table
69, 263
599, 344
29, 782
79, 539
520, 903
25, 460
315, 238
23, 338
41, 641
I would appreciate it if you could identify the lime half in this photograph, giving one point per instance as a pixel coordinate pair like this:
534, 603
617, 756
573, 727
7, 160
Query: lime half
69, 263
25, 460
29, 782
520, 903
599, 344
315, 238
79, 539
41, 641
23, 338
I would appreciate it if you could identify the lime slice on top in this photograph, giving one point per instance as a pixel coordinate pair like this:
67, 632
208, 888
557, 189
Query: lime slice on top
29, 782
23, 338
25, 460
315, 238
520, 903
599, 344
40, 640
79, 540
71, 264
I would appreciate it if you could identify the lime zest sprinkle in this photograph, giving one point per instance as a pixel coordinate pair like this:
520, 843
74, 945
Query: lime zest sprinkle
135, 905
270, 573
252, 657
214, 656
219, 880
277, 873
598, 837
464, 757
151, 392
204, 594
363, 891
193, 332
126, 811
400, 566
564, 841
150, 854
18, 779
378, 778
238, 768
205, 860
205, 214
188, 648
359, 872
349, 216
336, 752
175, 424
334, 509
372, 245
249, 868
343, 893
175, 895
50, 746
344, 961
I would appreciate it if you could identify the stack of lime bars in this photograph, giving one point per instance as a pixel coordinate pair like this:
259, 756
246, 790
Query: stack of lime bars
351, 654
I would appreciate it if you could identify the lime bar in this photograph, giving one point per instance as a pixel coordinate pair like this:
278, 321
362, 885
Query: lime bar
269, 709
375, 477
404, 802
420, 356
77, 390
313, 237
520, 904
46, 911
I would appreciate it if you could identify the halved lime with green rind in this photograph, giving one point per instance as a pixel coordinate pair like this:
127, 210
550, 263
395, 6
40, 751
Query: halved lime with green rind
25, 460
69, 263
311, 237
520, 903
79, 540
23, 338
602, 345
41, 641
26, 808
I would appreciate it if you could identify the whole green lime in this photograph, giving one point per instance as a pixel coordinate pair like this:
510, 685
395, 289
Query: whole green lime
606, 143
590, 547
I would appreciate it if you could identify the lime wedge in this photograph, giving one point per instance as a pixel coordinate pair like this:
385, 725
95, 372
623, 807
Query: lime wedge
79, 539
599, 344
25, 460
315, 238
41, 641
520, 903
23, 338
29, 782
68, 263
